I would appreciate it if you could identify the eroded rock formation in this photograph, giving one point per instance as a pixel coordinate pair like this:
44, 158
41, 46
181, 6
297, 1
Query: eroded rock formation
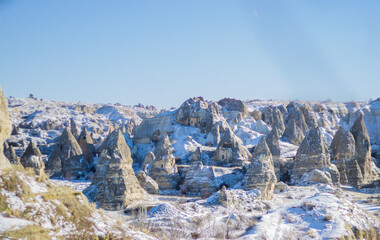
115, 185
363, 148
230, 151
344, 157
164, 170
66, 158
260, 174
313, 154
296, 127
199, 180
32, 158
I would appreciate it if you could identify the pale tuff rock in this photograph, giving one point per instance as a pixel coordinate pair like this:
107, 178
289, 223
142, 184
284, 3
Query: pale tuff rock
191, 112
196, 112
74, 128
143, 133
260, 174
149, 159
230, 151
257, 115
232, 107
274, 117
5, 128
196, 155
226, 199
130, 127
273, 142
363, 148
86, 143
344, 157
296, 127
115, 184
213, 137
199, 180
308, 114
66, 149
147, 183
312, 154
10, 153
262, 127
32, 158
163, 170
316, 176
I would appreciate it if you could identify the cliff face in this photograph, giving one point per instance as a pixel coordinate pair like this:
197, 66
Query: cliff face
5, 128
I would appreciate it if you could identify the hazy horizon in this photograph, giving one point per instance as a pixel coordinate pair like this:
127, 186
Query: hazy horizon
162, 53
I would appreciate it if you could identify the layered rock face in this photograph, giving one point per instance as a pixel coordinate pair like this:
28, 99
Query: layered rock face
147, 183
344, 157
273, 142
5, 128
312, 154
363, 148
199, 180
296, 127
32, 158
260, 174
66, 158
164, 170
230, 151
274, 117
115, 181
86, 143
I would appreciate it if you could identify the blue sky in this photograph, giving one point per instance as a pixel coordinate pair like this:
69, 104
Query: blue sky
163, 52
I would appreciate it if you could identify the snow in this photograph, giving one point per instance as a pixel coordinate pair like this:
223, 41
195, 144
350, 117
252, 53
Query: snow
7, 223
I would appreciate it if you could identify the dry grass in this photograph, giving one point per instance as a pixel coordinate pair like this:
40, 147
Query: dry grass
31, 232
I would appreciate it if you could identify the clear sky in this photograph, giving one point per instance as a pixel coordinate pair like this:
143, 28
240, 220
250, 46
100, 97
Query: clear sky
163, 52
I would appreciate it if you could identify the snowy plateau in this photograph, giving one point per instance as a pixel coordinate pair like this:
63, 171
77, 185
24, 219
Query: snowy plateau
225, 169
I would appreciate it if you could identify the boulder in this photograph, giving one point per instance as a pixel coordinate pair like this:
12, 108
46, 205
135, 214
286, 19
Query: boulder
164, 170
226, 199
86, 143
147, 183
260, 174
273, 142
363, 148
66, 148
10, 153
296, 127
115, 185
199, 180
316, 176
344, 157
312, 154
5, 129
32, 158
230, 151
